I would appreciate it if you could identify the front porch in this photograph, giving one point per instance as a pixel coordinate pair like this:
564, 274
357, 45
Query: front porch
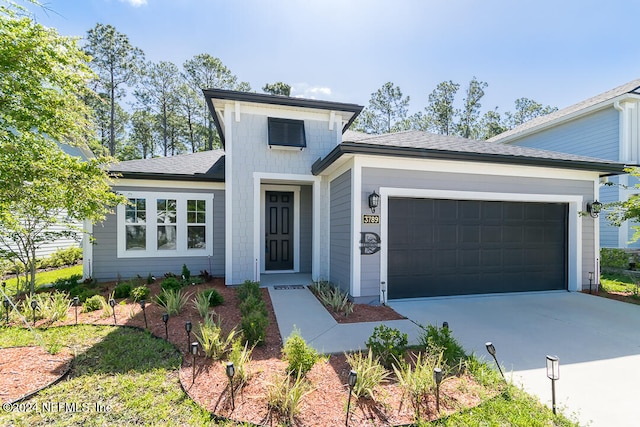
285, 279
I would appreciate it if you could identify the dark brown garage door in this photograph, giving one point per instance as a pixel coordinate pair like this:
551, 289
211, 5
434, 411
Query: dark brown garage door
456, 247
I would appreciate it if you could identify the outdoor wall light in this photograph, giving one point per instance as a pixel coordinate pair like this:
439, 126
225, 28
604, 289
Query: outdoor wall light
437, 377
112, 303
165, 319
553, 373
231, 371
187, 327
492, 351
76, 303
351, 380
143, 304
34, 306
374, 201
194, 352
594, 208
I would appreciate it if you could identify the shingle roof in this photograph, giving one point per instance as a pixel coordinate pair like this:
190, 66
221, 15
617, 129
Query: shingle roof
206, 165
420, 144
540, 122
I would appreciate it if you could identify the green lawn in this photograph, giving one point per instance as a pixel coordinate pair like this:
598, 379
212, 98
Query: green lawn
135, 375
619, 282
46, 277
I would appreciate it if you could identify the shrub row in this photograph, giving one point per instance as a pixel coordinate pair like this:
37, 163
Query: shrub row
255, 318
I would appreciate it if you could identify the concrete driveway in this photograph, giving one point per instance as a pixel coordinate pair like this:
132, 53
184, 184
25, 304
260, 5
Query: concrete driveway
597, 341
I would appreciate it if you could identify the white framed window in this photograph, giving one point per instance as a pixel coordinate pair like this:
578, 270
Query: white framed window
165, 225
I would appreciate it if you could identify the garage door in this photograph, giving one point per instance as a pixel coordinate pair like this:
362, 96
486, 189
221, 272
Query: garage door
454, 247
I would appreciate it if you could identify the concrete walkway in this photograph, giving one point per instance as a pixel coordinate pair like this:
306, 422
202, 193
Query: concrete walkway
297, 307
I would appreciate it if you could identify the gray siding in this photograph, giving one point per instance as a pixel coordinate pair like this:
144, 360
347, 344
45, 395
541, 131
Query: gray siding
107, 265
340, 231
250, 153
594, 135
376, 178
306, 228
608, 232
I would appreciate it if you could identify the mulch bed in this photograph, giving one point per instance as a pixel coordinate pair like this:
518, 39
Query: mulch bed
324, 405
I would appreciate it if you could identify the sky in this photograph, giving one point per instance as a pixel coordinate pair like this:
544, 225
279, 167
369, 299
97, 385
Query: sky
557, 52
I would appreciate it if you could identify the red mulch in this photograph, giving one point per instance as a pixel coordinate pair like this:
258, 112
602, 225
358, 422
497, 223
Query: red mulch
325, 405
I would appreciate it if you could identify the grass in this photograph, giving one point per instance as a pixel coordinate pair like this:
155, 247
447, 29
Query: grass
126, 370
619, 282
46, 277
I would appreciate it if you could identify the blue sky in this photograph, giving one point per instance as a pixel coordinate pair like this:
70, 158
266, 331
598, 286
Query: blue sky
557, 52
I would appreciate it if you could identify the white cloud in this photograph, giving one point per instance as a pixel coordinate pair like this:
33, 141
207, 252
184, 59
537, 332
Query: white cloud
135, 3
305, 90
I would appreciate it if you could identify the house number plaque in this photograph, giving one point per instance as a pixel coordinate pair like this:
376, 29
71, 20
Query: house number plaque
371, 219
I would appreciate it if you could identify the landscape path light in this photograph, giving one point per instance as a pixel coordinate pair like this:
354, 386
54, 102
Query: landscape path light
590, 280
553, 373
112, 303
492, 351
231, 371
34, 306
143, 304
437, 377
352, 380
165, 319
445, 325
76, 303
187, 327
6, 304
194, 351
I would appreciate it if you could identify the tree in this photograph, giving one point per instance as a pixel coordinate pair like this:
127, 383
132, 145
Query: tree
117, 64
44, 81
440, 112
468, 124
527, 109
491, 125
157, 93
141, 137
386, 112
277, 88
207, 72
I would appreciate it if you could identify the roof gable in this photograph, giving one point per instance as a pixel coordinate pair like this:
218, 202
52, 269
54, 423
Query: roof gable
602, 100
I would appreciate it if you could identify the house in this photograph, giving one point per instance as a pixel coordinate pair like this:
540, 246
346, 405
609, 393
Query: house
606, 126
401, 215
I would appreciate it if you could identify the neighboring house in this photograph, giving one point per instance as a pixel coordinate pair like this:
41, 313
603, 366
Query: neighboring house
606, 126
294, 192
74, 238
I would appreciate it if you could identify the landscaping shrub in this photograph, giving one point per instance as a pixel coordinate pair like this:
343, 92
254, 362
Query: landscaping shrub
201, 303
94, 303
213, 341
186, 274
370, 373
214, 297
387, 344
171, 284
254, 327
248, 288
122, 290
437, 341
240, 355
68, 283
82, 292
253, 304
614, 258
173, 301
284, 395
140, 292
418, 381
298, 354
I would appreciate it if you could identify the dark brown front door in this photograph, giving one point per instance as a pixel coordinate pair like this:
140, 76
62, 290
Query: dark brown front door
279, 230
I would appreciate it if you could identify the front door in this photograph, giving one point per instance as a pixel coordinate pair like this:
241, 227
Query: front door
279, 230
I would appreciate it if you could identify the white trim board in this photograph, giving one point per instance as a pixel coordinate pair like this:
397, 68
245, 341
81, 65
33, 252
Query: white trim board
574, 269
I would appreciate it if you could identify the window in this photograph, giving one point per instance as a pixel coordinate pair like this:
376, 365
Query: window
286, 133
183, 225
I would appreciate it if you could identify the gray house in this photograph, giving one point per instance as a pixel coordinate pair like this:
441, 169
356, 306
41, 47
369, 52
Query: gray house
606, 126
401, 215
